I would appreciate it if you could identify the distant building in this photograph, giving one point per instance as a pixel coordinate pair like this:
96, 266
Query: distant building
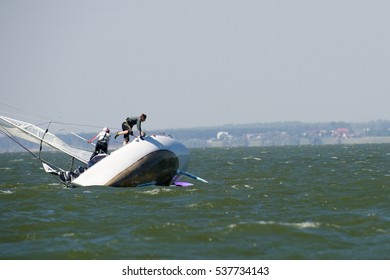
223, 135
341, 133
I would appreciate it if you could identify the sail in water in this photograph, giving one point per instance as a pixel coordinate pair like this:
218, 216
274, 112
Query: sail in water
35, 134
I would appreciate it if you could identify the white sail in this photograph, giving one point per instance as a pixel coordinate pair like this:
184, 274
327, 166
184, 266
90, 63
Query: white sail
37, 135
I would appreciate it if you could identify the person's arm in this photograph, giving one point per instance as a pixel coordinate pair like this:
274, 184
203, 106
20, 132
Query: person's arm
139, 126
90, 140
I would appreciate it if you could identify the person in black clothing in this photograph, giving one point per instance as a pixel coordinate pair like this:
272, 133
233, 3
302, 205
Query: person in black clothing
127, 127
102, 143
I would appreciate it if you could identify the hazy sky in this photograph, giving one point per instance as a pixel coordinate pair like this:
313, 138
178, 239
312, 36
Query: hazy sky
196, 63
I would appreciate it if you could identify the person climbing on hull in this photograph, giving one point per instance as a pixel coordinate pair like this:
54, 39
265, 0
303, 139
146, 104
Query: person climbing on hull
127, 127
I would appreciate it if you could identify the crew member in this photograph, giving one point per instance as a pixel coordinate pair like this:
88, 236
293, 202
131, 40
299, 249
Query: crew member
127, 127
102, 143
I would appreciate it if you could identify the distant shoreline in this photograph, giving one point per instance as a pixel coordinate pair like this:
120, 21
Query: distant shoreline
197, 143
253, 135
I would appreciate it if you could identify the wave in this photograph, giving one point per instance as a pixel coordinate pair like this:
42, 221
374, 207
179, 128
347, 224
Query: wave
7, 192
301, 225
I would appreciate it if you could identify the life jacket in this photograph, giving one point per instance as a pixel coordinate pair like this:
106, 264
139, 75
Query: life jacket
105, 138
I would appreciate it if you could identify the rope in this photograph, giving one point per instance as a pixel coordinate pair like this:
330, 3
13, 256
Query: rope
48, 121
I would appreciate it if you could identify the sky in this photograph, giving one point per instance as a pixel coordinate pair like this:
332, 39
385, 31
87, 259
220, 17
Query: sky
196, 63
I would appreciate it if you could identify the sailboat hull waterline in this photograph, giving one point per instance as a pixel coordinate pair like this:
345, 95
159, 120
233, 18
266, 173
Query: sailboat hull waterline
150, 160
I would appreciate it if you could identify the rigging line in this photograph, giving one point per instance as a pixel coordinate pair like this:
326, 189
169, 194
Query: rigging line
76, 124
45, 118
82, 138
13, 138
39, 124
43, 136
78, 136
23, 111
82, 125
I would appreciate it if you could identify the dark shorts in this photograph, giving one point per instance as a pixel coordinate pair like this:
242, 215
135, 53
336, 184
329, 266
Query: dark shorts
126, 126
101, 146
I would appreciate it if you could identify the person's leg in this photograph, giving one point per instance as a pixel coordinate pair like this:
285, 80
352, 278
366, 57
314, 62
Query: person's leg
125, 130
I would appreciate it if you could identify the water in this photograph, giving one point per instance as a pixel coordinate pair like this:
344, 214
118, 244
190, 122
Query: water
303, 202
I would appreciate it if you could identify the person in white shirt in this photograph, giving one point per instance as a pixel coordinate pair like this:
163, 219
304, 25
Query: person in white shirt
102, 142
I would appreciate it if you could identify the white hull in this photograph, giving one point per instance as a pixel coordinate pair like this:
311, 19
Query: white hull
153, 160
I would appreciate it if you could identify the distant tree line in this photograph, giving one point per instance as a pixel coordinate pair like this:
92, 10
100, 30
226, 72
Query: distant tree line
293, 130
372, 128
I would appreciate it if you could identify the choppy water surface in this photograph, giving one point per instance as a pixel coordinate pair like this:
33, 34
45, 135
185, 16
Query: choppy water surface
313, 202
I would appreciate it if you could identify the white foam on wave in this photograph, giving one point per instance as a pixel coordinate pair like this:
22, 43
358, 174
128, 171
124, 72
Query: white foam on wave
5, 168
17, 160
301, 225
7, 192
254, 158
297, 225
157, 191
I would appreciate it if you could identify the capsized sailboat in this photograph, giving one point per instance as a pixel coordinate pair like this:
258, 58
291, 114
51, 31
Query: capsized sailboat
150, 160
